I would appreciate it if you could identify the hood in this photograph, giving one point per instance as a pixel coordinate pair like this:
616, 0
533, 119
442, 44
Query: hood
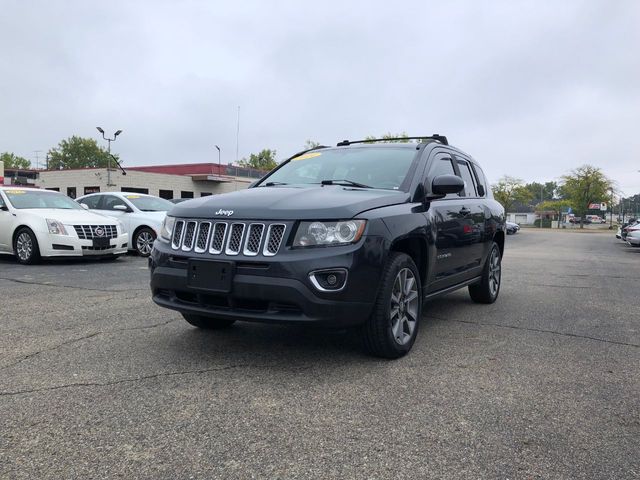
69, 217
155, 217
289, 203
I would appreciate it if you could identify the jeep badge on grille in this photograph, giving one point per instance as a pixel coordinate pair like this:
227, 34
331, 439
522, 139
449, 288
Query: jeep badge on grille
227, 213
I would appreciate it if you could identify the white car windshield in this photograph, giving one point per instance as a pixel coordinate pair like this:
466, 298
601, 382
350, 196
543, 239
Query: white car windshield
21, 199
149, 204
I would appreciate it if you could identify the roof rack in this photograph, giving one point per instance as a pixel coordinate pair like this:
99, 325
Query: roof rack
435, 137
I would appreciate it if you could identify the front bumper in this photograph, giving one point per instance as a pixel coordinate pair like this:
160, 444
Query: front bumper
71, 246
275, 289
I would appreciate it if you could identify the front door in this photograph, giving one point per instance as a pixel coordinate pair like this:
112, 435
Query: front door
458, 235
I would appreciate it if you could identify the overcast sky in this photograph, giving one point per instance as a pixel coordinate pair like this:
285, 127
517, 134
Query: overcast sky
530, 89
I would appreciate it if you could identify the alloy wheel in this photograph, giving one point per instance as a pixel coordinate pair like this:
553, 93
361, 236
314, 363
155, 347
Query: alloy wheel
24, 246
494, 272
144, 243
404, 306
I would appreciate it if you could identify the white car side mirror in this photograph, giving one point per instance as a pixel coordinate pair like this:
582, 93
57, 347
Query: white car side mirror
85, 206
122, 208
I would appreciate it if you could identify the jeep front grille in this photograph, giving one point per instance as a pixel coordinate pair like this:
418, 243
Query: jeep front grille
238, 238
274, 239
235, 239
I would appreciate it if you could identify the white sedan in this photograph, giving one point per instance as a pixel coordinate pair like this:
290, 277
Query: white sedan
141, 215
40, 223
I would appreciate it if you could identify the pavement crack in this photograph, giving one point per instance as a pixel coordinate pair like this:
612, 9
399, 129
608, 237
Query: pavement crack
44, 284
84, 337
198, 371
541, 330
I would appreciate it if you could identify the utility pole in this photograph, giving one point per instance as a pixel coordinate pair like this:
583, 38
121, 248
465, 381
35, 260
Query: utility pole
238, 135
541, 200
109, 140
37, 158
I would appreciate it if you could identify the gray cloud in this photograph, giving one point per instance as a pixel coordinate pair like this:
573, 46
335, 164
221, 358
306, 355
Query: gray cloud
531, 89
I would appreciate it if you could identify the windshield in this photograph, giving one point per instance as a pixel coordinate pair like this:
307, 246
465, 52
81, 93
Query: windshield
149, 204
21, 199
384, 168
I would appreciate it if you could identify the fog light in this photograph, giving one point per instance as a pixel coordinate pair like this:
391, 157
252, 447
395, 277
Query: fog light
329, 280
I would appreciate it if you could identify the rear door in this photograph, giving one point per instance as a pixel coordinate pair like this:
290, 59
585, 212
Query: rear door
473, 217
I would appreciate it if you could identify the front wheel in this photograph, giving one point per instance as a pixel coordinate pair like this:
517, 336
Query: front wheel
487, 290
207, 323
392, 327
143, 241
25, 246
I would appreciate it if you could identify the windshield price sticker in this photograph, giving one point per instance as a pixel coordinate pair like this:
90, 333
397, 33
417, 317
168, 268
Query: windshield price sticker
15, 192
133, 196
306, 156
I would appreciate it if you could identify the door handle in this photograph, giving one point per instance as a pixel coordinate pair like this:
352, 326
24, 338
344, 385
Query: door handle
464, 211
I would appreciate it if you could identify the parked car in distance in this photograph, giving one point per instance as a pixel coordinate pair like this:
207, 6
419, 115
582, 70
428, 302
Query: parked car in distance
141, 215
625, 228
633, 236
41, 223
512, 228
595, 219
354, 235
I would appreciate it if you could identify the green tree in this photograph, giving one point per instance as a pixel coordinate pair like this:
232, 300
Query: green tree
309, 144
548, 190
78, 152
585, 185
387, 136
12, 160
510, 190
264, 160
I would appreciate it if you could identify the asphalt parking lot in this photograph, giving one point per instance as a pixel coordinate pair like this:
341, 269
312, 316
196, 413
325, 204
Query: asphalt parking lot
96, 381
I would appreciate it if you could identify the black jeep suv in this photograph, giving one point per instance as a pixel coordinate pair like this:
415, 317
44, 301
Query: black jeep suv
357, 234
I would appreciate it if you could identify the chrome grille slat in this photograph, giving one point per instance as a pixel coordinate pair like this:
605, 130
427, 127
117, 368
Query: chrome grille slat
202, 237
87, 232
234, 241
238, 238
176, 238
217, 238
253, 239
275, 234
189, 236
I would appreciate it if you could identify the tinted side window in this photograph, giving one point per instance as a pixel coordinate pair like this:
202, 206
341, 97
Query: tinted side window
467, 176
91, 202
481, 181
1, 201
111, 201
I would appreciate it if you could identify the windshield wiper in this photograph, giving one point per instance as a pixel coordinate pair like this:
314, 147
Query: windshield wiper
344, 181
273, 184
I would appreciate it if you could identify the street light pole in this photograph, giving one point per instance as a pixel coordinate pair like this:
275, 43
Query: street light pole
219, 162
109, 140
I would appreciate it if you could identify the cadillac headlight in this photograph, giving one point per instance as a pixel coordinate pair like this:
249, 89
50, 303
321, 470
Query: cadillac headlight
56, 227
166, 230
341, 232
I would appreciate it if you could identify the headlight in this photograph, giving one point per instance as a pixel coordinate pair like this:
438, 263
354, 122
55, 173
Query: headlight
56, 227
166, 230
342, 232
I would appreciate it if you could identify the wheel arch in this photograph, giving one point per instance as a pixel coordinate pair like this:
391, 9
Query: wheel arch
416, 248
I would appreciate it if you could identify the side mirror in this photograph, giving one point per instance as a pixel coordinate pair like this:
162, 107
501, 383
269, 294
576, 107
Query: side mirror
85, 206
445, 184
4, 208
122, 208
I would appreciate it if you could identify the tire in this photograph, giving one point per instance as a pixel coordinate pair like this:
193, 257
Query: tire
25, 247
487, 290
393, 325
207, 323
143, 241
